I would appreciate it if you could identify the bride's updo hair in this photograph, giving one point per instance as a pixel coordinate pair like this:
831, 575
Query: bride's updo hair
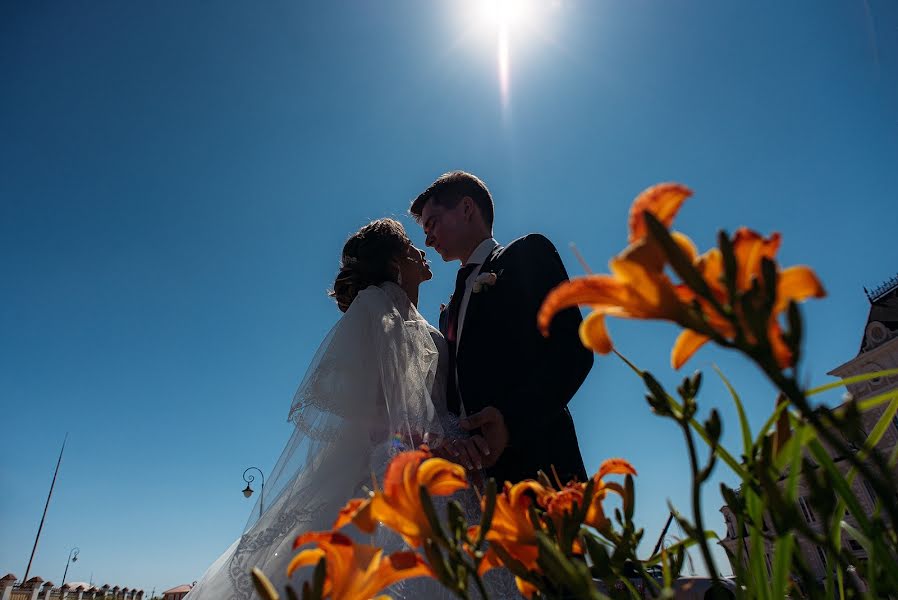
367, 259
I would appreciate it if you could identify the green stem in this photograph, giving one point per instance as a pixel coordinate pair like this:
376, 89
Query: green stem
697, 501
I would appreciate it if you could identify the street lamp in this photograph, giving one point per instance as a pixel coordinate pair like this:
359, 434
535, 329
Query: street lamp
248, 491
73, 557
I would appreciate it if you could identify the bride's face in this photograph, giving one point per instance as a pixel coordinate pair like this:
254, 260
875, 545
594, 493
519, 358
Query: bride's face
414, 268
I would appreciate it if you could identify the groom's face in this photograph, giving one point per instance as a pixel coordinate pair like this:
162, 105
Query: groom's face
445, 229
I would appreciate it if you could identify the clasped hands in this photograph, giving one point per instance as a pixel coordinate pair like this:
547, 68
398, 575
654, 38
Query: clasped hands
481, 449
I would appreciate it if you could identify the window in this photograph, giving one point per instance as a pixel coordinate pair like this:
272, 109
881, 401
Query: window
806, 510
854, 545
870, 491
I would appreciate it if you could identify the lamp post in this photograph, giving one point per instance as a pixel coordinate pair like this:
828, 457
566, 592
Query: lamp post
46, 506
73, 557
248, 491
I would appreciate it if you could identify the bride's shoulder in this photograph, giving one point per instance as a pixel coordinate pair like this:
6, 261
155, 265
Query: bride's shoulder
379, 301
374, 296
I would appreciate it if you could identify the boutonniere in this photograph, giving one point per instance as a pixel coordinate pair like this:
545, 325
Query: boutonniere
484, 281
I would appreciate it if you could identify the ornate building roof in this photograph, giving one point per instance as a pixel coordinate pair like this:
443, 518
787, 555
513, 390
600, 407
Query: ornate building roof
882, 322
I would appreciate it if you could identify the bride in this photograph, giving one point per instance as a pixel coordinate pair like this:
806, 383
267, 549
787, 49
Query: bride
375, 387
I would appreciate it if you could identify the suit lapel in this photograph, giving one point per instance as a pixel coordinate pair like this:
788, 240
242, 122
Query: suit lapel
475, 306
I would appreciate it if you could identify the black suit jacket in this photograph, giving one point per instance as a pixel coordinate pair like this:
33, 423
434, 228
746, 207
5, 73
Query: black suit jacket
504, 361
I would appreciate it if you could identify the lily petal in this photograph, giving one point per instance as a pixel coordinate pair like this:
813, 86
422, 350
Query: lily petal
526, 588
594, 334
749, 248
441, 477
616, 466
797, 283
596, 290
662, 200
305, 558
358, 511
686, 345
395, 567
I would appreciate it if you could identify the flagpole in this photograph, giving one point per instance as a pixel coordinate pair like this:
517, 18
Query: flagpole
47, 505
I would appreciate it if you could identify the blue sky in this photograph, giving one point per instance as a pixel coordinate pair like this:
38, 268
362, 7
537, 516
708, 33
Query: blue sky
178, 178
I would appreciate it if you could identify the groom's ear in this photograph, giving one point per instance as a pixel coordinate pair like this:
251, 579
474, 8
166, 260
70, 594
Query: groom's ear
468, 208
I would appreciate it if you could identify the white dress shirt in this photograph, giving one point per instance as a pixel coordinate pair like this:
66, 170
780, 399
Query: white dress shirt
478, 257
480, 254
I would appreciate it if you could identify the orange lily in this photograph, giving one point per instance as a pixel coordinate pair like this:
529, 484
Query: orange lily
561, 503
794, 284
511, 527
512, 530
398, 505
637, 287
355, 571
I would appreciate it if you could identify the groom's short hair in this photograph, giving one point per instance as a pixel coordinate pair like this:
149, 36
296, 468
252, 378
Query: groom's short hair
449, 188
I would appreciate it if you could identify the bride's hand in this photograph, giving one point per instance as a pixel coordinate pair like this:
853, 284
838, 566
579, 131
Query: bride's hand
470, 453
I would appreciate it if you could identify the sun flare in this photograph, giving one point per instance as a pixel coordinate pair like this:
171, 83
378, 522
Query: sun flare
504, 17
505, 13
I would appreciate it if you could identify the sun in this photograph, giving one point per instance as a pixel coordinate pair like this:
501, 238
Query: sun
506, 13
504, 18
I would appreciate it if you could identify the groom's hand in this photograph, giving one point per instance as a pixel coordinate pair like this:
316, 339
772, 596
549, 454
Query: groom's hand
471, 453
492, 425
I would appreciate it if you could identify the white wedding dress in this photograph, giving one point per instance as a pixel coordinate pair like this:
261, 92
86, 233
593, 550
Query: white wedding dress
375, 387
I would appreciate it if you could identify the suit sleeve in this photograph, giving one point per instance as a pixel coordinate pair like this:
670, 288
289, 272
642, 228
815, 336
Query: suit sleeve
558, 364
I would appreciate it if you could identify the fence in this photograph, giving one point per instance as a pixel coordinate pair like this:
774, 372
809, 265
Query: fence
38, 589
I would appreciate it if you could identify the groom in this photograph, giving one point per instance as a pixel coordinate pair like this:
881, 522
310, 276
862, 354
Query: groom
510, 383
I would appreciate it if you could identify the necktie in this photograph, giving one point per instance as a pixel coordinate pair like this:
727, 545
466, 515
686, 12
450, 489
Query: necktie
453, 403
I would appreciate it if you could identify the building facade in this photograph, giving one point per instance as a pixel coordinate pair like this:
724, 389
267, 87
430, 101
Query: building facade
878, 351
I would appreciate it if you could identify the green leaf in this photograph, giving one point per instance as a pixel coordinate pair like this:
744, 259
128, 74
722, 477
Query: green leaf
790, 454
865, 405
859, 537
881, 426
782, 561
841, 483
430, 512
684, 544
756, 564
765, 429
554, 563
740, 409
854, 379
486, 519
598, 554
